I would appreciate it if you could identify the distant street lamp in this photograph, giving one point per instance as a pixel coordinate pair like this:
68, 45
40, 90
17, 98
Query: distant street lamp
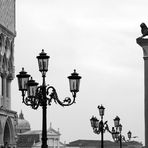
129, 135
116, 132
44, 94
99, 127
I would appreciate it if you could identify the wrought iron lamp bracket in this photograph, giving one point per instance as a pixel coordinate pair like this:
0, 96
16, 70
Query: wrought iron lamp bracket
33, 102
51, 92
101, 127
107, 128
96, 130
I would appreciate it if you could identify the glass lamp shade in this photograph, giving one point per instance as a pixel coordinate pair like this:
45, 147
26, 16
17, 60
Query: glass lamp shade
116, 135
120, 127
101, 110
116, 121
74, 81
129, 134
23, 78
32, 87
94, 122
113, 133
43, 61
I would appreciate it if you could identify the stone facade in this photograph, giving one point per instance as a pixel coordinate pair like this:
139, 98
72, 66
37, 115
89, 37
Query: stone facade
8, 118
7, 14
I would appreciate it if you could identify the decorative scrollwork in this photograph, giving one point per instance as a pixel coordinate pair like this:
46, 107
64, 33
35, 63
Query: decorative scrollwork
39, 99
96, 131
33, 102
102, 127
51, 92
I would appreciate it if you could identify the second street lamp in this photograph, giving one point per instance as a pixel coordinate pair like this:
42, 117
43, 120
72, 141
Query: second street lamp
116, 132
44, 94
99, 127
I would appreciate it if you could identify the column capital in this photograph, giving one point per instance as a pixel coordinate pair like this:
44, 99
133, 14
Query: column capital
143, 42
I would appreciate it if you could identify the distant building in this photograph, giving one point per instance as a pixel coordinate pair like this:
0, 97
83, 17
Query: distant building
32, 138
22, 125
97, 144
8, 117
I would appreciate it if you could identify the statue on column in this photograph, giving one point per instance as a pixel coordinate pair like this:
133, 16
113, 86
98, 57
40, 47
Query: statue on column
144, 30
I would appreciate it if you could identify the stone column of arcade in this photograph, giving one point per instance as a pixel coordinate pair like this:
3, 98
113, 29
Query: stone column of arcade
143, 42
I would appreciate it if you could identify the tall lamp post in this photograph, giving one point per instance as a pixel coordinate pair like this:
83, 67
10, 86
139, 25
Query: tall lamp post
129, 135
35, 96
116, 132
99, 126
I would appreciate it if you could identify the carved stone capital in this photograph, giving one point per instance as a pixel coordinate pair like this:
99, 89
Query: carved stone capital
143, 42
10, 76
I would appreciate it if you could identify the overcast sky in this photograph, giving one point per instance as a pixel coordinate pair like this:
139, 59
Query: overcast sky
98, 39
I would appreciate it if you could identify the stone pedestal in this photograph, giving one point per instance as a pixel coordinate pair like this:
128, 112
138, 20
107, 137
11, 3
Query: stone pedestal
144, 44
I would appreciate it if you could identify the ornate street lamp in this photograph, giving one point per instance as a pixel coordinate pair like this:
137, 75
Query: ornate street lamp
35, 96
117, 130
116, 121
99, 126
129, 135
94, 122
101, 110
23, 78
43, 62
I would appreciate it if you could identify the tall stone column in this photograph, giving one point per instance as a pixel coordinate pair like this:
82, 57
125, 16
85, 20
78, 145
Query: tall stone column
53, 143
144, 44
1, 90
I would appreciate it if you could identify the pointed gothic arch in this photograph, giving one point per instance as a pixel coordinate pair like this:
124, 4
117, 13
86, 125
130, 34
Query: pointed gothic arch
12, 47
2, 44
11, 59
1, 40
1, 49
4, 63
7, 48
8, 132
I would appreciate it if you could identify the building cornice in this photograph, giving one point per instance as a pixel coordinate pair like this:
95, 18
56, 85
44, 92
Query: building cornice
6, 112
7, 31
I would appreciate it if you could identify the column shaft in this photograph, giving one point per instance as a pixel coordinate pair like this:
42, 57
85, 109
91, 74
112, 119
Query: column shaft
143, 42
146, 100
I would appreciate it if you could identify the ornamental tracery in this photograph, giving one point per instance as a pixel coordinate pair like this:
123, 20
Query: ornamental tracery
2, 48
7, 48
